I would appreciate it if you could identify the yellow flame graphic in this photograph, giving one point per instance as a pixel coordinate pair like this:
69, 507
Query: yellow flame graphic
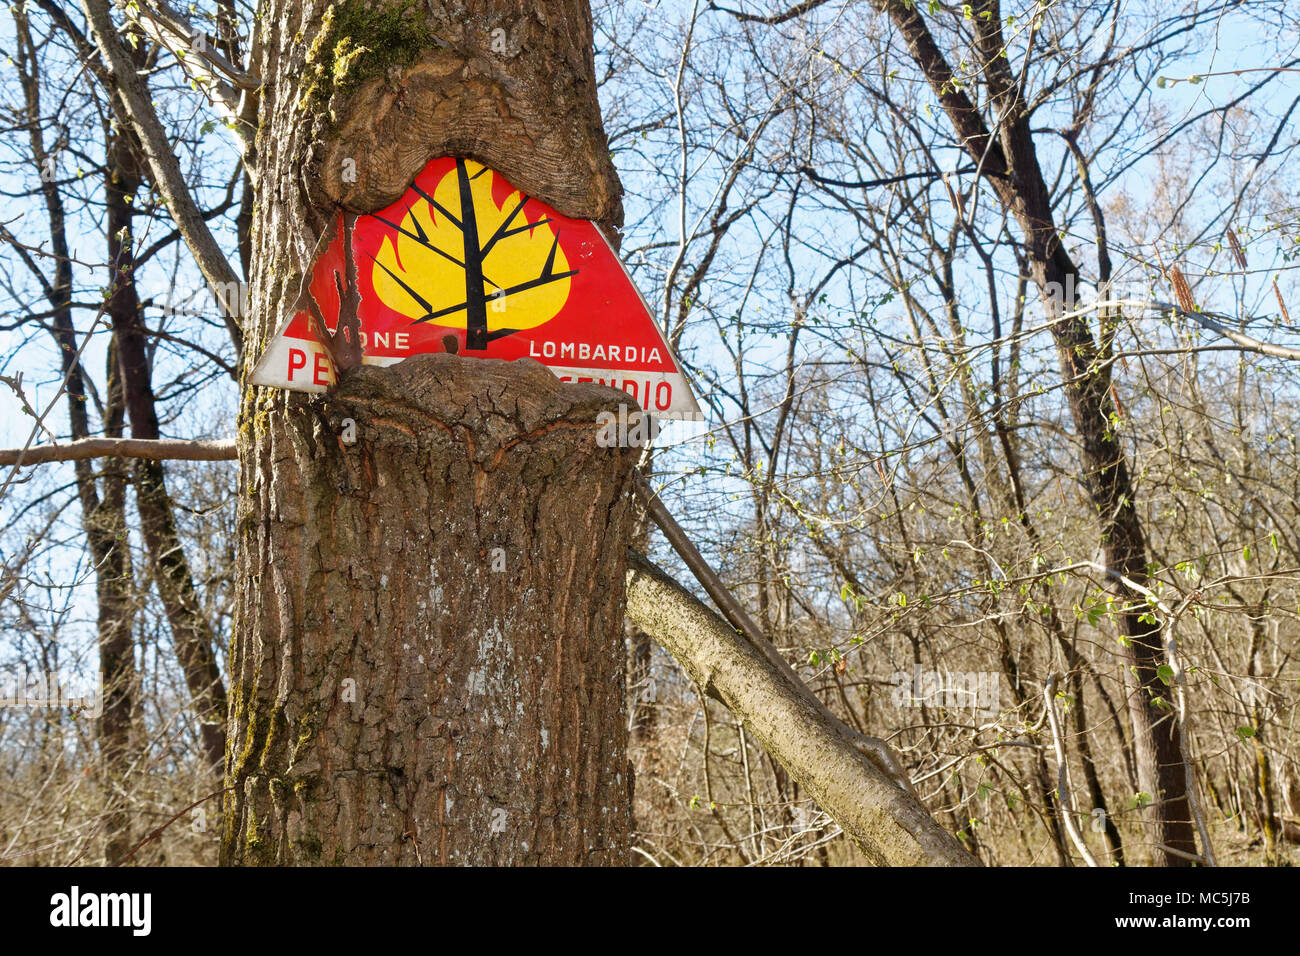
462, 261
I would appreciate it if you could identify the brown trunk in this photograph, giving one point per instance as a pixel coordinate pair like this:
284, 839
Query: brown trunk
117, 601
114, 592
428, 655
103, 516
1010, 163
427, 662
190, 629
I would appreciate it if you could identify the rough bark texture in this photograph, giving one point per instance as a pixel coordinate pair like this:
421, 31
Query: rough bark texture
429, 660
887, 822
509, 84
394, 699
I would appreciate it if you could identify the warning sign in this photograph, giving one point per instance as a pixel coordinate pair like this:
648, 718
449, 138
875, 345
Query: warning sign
464, 262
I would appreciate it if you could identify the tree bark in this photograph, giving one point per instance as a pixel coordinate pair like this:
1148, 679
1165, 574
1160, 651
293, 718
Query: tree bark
887, 822
427, 661
428, 658
511, 85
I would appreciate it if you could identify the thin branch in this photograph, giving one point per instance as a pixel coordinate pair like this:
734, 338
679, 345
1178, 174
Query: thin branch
798, 10
1064, 799
156, 449
164, 166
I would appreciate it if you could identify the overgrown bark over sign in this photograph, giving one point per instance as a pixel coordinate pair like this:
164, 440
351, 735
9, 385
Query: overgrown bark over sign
402, 691
429, 655
509, 84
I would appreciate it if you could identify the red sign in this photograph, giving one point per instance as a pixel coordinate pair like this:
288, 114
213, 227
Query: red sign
465, 262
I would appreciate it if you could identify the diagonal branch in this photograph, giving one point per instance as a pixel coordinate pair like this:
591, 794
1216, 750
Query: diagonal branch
155, 449
168, 28
887, 822
798, 10
165, 168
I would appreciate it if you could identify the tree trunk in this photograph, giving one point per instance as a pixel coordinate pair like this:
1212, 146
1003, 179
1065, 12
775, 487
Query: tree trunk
1008, 159
191, 630
427, 663
428, 658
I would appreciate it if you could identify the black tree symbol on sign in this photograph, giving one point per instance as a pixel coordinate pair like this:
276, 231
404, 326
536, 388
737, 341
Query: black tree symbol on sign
440, 269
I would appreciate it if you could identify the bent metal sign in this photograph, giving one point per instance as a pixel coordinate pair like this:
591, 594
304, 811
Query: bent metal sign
466, 263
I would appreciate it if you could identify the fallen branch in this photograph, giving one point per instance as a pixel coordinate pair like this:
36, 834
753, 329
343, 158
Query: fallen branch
737, 617
888, 822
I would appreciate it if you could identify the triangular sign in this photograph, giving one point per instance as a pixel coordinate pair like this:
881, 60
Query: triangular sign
466, 262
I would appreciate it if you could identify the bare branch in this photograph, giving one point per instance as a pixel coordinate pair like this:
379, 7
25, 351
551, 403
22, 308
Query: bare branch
164, 166
170, 29
152, 449
1063, 797
738, 618
798, 10
889, 823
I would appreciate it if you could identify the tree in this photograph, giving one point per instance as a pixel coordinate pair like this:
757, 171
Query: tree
435, 675
411, 678
896, 479
1006, 154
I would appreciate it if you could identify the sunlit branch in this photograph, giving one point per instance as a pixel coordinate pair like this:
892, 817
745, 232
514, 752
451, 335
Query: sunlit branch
150, 449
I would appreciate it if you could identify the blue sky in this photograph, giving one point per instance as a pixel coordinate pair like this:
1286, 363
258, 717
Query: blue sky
650, 176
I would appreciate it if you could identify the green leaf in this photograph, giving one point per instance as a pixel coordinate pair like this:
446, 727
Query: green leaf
1166, 674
